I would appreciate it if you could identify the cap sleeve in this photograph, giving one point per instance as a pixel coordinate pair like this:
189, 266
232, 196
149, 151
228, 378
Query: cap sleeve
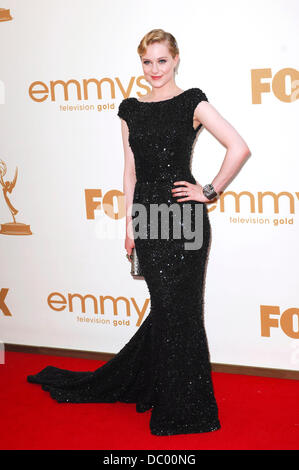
123, 110
197, 95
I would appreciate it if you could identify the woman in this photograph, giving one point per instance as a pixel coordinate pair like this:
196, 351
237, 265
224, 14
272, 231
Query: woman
165, 366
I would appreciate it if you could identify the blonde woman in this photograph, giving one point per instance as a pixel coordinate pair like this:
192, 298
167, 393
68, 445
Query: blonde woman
165, 367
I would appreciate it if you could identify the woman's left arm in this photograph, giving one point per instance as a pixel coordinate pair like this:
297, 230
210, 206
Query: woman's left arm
237, 149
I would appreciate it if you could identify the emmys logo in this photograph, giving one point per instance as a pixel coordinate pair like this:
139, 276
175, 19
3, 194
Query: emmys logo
260, 205
96, 305
5, 15
11, 228
281, 79
40, 91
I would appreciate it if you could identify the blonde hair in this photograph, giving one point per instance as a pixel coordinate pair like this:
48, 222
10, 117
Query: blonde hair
158, 35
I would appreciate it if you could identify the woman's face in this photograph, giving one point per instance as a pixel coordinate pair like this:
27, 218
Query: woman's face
158, 62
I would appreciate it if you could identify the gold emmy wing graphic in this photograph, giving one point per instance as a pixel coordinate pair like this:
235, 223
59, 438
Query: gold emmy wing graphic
5, 15
11, 228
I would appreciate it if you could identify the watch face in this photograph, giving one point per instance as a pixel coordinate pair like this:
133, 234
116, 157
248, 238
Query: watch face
209, 191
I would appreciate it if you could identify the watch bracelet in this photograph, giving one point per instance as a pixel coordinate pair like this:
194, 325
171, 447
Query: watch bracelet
209, 191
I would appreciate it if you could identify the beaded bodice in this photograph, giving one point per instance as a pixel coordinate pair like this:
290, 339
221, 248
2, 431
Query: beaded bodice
161, 134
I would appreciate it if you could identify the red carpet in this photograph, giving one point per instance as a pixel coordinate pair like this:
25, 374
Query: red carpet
255, 413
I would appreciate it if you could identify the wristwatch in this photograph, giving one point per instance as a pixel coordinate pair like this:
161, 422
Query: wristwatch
209, 191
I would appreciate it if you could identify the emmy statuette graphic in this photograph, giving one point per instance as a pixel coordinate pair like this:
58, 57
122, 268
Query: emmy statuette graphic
11, 228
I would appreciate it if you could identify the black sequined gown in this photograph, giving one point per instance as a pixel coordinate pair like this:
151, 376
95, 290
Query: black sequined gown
165, 366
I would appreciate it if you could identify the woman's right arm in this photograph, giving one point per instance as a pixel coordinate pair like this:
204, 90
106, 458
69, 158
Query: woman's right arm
129, 180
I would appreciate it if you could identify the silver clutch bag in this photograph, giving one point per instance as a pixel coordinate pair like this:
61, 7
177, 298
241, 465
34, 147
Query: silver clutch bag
135, 266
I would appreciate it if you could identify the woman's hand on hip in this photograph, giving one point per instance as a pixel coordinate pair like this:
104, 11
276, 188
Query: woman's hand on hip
194, 191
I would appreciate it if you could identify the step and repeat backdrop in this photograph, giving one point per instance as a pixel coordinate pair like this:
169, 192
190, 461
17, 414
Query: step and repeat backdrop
65, 67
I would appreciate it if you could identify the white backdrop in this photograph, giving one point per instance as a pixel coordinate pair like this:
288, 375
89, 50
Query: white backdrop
59, 284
